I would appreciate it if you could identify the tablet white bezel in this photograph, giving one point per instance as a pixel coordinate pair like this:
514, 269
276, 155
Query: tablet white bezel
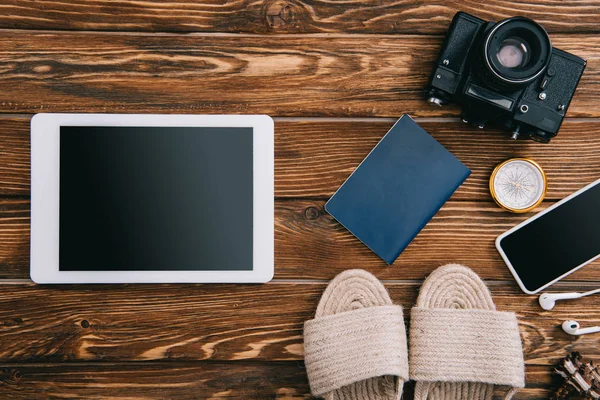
45, 136
528, 221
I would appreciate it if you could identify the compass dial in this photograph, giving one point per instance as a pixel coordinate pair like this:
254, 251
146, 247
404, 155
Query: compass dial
518, 185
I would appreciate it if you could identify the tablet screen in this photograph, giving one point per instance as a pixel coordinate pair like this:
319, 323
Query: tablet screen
155, 198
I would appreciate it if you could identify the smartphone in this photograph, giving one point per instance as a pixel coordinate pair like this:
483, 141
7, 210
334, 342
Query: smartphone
554, 243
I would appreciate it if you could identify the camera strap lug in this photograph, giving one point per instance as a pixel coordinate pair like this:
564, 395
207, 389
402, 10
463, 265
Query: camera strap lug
515, 132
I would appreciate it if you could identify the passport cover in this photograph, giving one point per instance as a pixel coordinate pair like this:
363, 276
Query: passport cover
397, 189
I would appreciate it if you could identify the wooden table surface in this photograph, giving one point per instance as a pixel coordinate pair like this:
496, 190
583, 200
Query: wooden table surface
334, 75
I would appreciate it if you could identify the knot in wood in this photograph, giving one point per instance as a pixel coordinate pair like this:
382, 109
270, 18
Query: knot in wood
312, 213
280, 14
17, 375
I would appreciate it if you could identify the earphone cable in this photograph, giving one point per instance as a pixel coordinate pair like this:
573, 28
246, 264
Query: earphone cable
591, 292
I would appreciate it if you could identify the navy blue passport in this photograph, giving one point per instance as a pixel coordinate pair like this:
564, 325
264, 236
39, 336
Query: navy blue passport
397, 189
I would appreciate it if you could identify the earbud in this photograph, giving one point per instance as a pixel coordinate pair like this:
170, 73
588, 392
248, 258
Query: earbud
548, 300
573, 328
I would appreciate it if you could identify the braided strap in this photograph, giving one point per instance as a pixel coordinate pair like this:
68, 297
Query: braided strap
466, 345
353, 346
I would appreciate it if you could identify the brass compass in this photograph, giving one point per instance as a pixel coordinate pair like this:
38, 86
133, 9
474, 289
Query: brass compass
518, 185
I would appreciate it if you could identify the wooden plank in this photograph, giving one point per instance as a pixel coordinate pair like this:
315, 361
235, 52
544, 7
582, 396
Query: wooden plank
155, 381
15, 238
224, 322
286, 16
188, 381
314, 157
360, 76
310, 244
15, 156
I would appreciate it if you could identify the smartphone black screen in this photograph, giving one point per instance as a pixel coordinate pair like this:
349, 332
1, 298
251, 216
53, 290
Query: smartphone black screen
557, 242
155, 198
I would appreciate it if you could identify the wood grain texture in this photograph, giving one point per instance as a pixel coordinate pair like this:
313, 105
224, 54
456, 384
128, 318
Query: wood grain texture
188, 381
145, 381
360, 76
314, 157
14, 238
224, 322
288, 16
310, 244
15, 156
365, 58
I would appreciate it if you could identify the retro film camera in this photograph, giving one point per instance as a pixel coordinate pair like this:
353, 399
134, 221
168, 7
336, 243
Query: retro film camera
505, 72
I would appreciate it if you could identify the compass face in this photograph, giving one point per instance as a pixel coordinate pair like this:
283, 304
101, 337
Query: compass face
518, 185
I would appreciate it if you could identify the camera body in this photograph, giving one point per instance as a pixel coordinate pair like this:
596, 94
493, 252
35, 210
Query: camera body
506, 73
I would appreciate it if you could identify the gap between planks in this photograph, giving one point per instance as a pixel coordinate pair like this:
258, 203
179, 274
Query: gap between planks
56, 31
168, 364
232, 35
277, 281
333, 119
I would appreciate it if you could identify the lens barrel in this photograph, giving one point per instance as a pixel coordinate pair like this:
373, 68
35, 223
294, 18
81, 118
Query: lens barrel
516, 51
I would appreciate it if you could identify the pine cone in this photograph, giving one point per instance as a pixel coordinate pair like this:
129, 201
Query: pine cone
579, 379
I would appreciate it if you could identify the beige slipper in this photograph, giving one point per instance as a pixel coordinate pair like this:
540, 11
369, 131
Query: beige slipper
355, 348
460, 346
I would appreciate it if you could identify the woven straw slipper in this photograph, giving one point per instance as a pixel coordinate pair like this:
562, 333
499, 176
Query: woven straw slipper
460, 346
355, 348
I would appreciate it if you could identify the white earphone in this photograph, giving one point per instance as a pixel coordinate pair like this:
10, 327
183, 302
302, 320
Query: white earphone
573, 328
548, 300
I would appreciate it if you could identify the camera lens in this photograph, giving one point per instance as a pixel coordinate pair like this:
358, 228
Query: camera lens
513, 53
516, 51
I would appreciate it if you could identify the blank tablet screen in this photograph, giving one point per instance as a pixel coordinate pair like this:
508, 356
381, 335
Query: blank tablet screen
155, 198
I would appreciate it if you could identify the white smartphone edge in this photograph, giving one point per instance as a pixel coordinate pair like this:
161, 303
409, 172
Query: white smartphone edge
528, 221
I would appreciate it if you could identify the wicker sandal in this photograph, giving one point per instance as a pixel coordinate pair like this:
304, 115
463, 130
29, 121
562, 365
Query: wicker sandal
460, 346
355, 348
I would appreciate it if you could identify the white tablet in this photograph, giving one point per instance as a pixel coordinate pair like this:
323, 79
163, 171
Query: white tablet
151, 198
